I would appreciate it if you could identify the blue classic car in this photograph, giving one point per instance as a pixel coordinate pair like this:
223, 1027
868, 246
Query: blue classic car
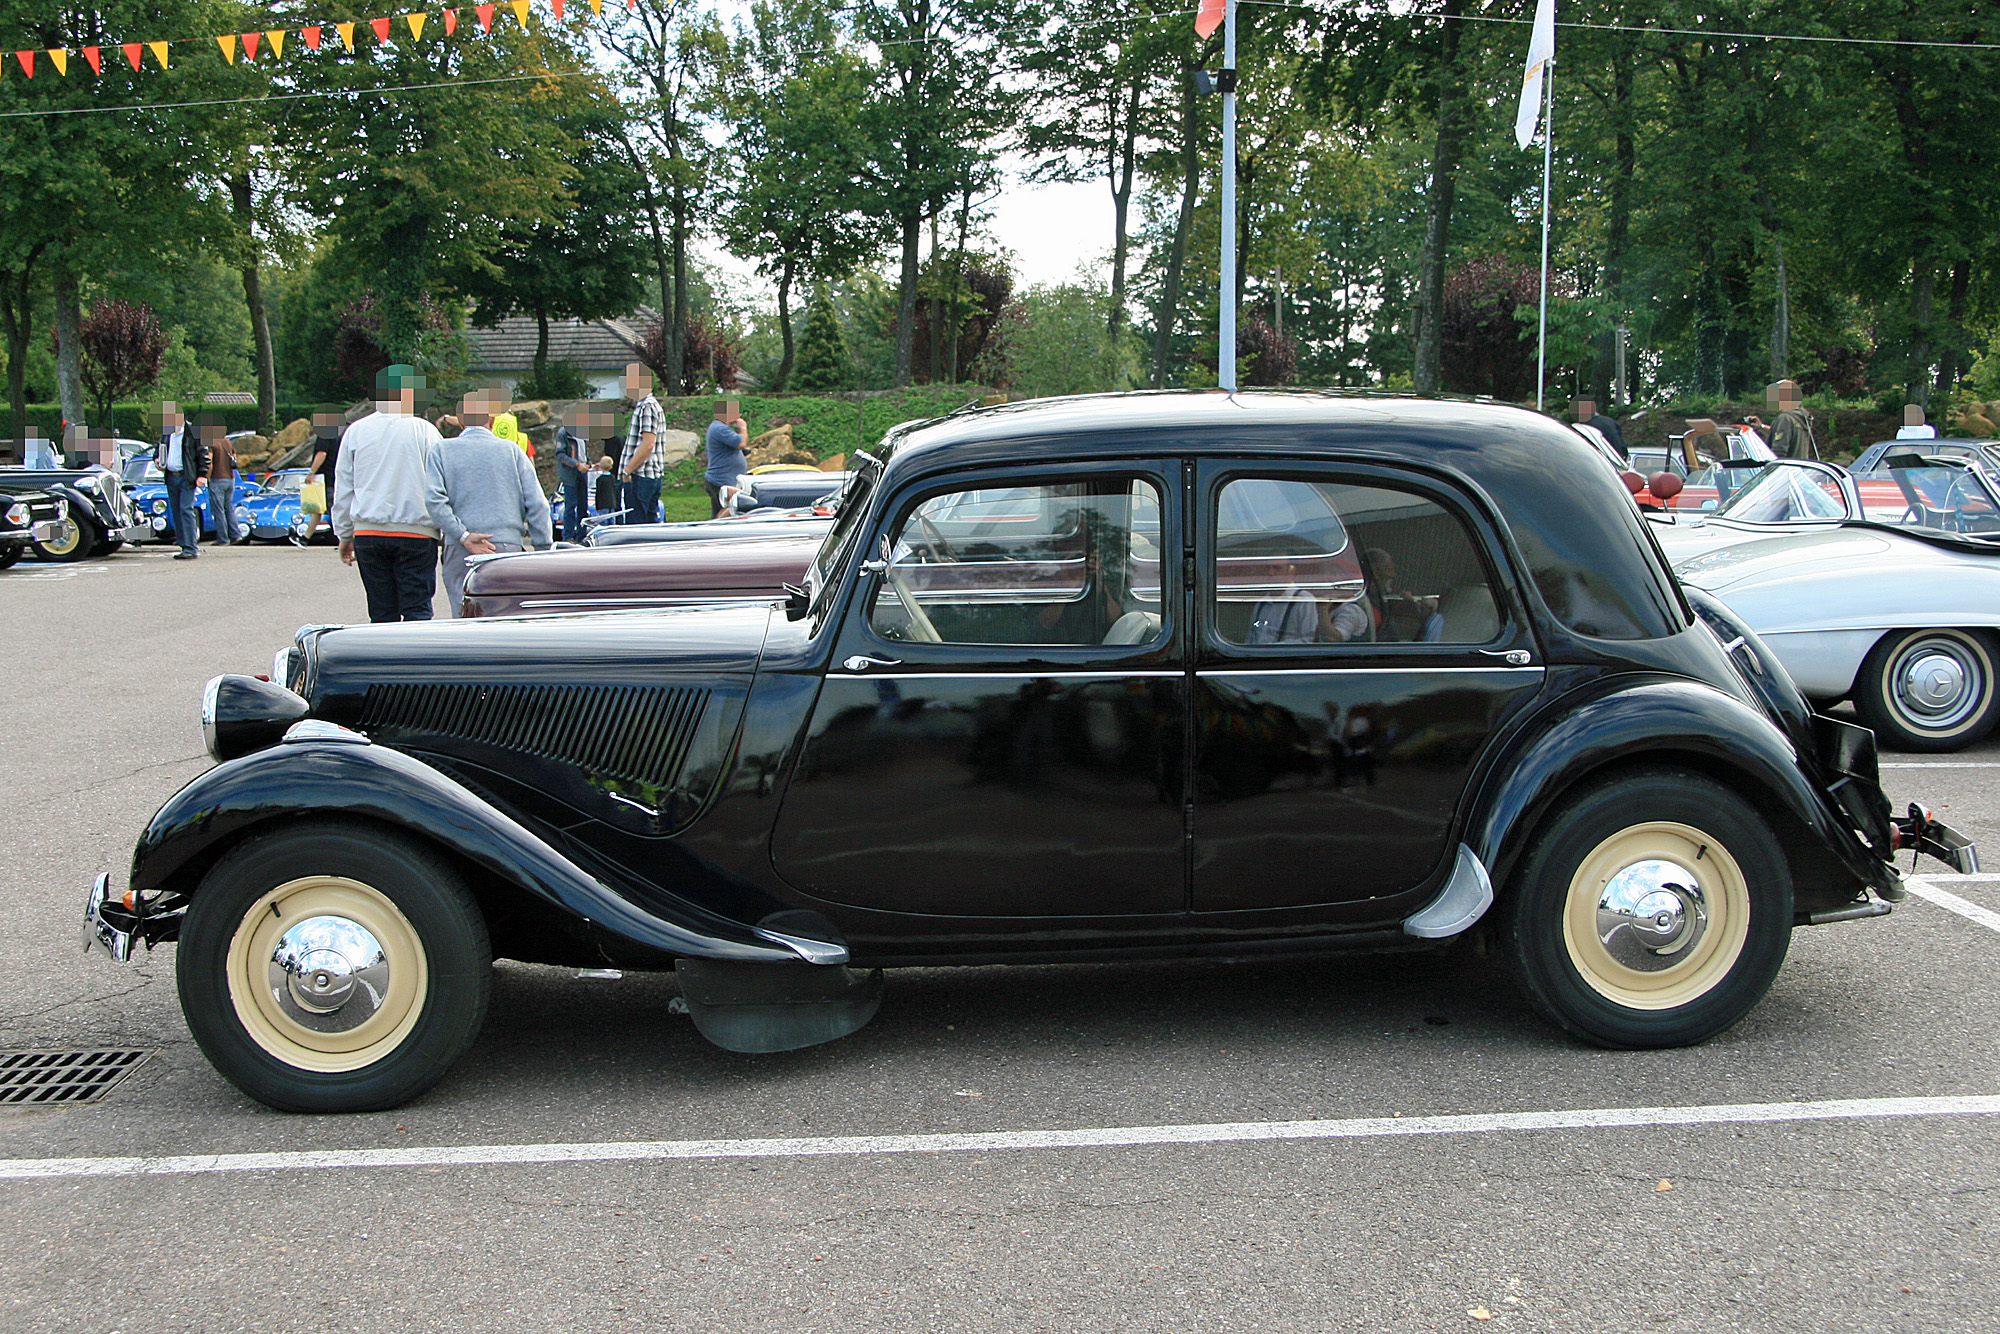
274, 512
149, 500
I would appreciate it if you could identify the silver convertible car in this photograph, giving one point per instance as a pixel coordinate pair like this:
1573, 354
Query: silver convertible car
1881, 587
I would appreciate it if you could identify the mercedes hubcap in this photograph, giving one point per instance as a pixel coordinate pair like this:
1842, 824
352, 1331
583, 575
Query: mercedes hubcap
1935, 685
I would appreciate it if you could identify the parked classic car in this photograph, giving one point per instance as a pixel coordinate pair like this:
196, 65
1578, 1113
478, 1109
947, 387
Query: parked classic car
27, 517
1898, 609
148, 489
762, 524
785, 489
100, 519
1132, 676
274, 513
678, 574
1956, 447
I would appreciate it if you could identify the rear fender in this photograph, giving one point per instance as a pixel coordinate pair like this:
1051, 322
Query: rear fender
335, 778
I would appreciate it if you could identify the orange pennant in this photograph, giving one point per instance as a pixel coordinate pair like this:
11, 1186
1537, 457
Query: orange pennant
27, 59
276, 37
557, 6
312, 38
450, 22
60, 55
520, 11
485, 18
228, 44
346, 34
416, 22
159, 50
250, 40
90, 53
132, 50
597, 7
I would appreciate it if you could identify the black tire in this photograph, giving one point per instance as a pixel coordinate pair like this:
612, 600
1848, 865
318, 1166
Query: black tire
11, 552
1930, 690
76, 542
1621, 985
418, 1011
106, 548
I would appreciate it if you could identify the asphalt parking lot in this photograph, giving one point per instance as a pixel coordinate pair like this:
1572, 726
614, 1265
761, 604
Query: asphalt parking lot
1393, 1144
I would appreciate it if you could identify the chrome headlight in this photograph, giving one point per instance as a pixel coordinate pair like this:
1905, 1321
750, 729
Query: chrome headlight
240, 714
18, 514
86, 483
281, 666
160, 505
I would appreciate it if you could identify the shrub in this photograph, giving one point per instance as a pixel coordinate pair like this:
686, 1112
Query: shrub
558, 380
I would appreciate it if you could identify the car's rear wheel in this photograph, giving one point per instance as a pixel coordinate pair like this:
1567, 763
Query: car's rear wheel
10, 553
1653, 910
1929, 690
333, 968
73, 541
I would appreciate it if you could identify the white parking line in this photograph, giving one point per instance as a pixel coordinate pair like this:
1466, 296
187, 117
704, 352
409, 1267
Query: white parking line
1370, 1127
1941, 764
1950, 902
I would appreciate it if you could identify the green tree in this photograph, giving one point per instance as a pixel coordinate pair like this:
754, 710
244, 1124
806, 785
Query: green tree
823, 358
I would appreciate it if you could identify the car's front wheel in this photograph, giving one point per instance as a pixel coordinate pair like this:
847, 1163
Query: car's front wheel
333, 968
1652, 910
1929, 690
73, 541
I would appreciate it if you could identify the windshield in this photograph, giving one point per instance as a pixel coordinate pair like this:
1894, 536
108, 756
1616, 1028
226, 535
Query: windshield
848, 508
284, 482
1780, 494
1938, 496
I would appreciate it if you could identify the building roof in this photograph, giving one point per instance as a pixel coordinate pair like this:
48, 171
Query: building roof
588, 345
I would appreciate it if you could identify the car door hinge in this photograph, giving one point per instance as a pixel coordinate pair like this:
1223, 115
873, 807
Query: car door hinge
1187, 571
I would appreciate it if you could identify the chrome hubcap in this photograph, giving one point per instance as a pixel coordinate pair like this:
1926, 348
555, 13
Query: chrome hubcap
329, 974
1935, 685
1651, 914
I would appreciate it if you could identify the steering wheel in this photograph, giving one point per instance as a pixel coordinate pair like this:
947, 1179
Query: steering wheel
920, 620
1969, 511
934, 541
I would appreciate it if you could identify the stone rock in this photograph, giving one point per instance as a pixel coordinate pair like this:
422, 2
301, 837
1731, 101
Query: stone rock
531, 414
677, 445
777, 446
292, 436
1976, 424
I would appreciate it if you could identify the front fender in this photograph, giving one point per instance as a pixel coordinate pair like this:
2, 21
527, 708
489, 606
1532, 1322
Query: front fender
381, 784
1663, 721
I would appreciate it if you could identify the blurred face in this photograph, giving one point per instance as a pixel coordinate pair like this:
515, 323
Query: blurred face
638, 382
170, 417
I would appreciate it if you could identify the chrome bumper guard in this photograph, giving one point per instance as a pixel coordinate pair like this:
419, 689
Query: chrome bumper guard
1920, 831
116, 924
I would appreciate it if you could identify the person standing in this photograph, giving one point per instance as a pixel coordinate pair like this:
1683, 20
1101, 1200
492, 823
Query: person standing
221, 482
482, 494
325, 461
573, 454
727, 439
381, 511
1791, 435
184, 463
643, 464
1604, 424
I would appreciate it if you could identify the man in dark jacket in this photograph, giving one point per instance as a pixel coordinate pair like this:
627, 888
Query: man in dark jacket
184, 463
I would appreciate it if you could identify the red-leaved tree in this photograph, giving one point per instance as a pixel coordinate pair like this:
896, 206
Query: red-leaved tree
708, 357
122, 344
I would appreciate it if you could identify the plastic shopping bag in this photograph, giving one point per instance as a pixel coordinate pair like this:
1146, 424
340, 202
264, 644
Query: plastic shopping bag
312, 495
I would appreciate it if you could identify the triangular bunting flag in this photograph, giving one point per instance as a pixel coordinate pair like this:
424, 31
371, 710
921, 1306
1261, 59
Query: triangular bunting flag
346, 34
520, 10
159, 50
557, 6
312, 38
276, 37
96, 60
631, 5
485, 18
250, 40
228, 44
60, 55
27, 59
597, 7
132, 50
381, 27
450, 22
416, 22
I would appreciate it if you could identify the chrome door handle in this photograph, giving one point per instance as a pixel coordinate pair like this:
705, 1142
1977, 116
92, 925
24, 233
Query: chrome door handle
861, 663
1513, 657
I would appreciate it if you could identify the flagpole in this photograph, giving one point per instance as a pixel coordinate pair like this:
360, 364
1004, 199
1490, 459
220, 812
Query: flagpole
1548, 155
1225, 364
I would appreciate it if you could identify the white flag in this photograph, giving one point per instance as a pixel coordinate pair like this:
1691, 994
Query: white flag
1541, 50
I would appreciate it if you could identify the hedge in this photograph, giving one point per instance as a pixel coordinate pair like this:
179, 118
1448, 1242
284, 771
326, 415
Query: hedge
130, 419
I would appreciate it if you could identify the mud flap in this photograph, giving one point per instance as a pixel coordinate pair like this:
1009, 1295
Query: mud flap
762, 1007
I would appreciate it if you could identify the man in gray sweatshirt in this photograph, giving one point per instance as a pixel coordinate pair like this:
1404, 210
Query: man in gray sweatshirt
378, 501
483, 495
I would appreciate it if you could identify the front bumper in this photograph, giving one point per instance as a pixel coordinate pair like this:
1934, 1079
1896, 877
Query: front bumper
116, 924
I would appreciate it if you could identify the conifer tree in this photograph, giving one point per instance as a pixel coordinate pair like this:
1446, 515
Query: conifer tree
823, 359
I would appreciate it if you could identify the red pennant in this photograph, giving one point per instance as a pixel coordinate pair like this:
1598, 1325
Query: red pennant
485, 18
96, 61
450, 22
312, 37
250, 45
381, 27
557, 6
132, 50
27, 59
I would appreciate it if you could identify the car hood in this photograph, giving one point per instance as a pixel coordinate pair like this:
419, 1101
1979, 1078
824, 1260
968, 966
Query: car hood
1835, 554
1684, 541
741, 565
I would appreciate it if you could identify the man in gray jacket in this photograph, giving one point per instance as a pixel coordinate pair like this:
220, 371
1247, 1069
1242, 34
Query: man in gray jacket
483, 495
379, 511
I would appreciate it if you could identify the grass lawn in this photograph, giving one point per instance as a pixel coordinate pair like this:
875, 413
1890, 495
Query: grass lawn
684, 504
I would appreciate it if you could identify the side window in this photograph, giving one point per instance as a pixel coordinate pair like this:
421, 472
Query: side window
1067, 563
1333, 563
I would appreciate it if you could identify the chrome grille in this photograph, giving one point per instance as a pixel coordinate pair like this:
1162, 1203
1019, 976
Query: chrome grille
636, 734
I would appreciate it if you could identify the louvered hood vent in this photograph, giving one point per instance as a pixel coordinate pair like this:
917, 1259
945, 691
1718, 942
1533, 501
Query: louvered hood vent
632, 734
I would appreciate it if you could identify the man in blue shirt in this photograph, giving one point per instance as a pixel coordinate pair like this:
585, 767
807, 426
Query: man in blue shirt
727, 437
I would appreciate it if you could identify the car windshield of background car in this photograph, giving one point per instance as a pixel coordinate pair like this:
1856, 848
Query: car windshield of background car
849, 506
1781, 494
1937, 496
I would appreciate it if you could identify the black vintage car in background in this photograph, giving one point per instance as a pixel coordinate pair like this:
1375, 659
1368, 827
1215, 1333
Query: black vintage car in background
100, 517
26, 517
1100, 678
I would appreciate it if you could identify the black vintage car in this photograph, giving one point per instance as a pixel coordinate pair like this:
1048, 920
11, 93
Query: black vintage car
1086, 679
100, 518
26, 517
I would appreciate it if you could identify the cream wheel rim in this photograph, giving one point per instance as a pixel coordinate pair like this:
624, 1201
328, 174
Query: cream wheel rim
1656, 916
326, 974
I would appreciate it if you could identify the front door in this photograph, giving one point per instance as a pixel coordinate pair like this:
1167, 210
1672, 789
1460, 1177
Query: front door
1358, 643
1000, 734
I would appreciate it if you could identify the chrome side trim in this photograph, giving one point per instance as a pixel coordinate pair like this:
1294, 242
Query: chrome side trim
812, 951
1463, 901
1000, 676
1413, 668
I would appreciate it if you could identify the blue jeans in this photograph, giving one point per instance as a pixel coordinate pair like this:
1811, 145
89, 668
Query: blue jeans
180, 508
574, 506
222, 509
642, 500
399, 574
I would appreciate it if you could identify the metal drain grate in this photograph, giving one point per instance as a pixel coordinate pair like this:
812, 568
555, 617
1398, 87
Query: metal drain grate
36, 1078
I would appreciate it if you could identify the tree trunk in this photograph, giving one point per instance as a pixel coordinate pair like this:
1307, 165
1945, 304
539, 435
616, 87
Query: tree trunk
1781, 323
652, 202
1121, 203
69, 347
1427, 377
906, 299
785, 275
17, 318
541, 344
677, 331
253, 297
1618, 214
1951, 359
1170, 290
1922, 293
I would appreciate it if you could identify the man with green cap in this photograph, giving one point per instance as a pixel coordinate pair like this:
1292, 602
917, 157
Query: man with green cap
380, 510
